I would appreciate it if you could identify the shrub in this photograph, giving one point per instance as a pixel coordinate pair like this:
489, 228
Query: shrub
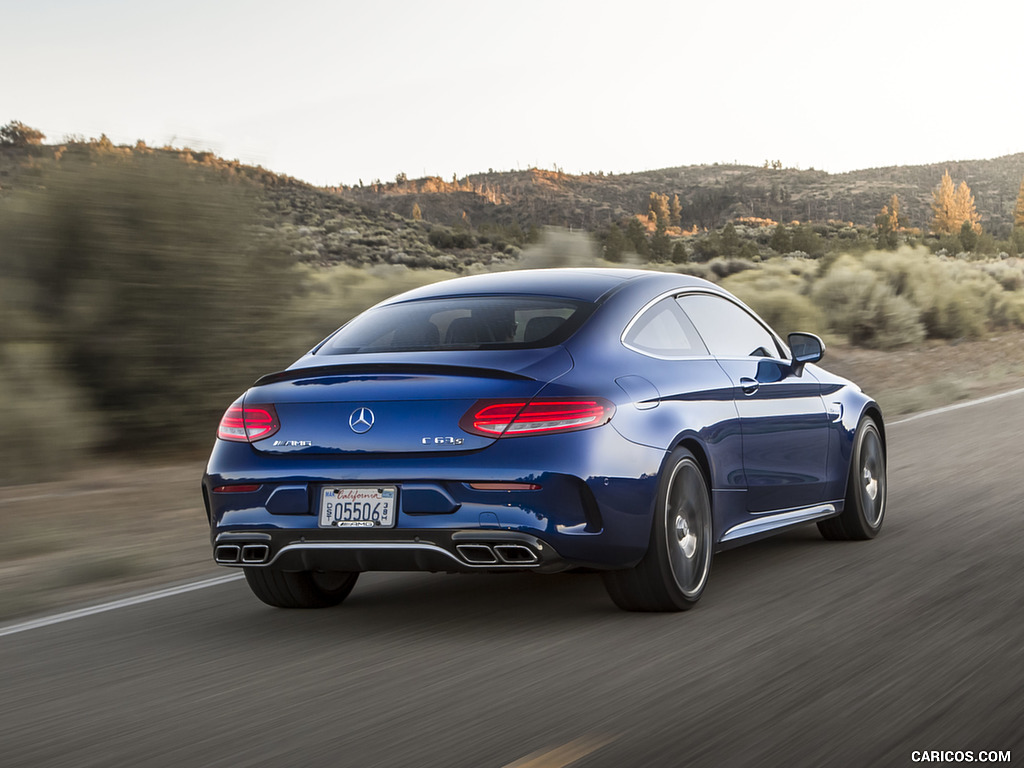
956, 299
559, 247
783, 310
865, 308
153, 285
778, 292
441, 238
722, 267
46, 419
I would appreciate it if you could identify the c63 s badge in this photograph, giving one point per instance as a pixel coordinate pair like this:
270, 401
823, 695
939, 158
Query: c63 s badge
441, 441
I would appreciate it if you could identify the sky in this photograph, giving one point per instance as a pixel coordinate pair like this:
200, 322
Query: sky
334, 91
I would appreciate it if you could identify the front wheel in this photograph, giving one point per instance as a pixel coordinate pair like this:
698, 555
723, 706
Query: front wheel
672, 574
866, 489
300, 589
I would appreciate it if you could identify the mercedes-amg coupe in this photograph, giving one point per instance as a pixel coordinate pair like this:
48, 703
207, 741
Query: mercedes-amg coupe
624, 421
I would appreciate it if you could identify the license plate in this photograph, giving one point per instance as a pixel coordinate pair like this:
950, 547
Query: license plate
352, 507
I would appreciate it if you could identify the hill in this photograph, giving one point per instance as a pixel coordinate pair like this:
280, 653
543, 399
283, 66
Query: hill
317, 226
710, 195
487, 218
132, 275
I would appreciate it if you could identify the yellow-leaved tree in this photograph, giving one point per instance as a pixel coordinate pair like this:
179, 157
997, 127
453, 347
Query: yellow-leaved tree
953, 206
888, 223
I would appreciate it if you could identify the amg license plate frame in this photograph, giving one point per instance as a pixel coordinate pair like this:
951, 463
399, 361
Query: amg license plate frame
358, 506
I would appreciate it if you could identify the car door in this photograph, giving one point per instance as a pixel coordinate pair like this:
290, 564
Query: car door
783, 421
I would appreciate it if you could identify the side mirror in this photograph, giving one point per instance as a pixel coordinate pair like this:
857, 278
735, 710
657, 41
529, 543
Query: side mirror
806, 348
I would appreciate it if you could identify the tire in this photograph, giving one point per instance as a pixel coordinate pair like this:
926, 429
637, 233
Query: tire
300, 589
866, 490
674, 571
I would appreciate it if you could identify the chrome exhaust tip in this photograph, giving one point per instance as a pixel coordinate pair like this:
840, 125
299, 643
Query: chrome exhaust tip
477, 554
255, 553
515, 554
228, 554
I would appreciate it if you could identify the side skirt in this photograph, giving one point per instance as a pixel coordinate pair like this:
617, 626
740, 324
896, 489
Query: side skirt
770, 523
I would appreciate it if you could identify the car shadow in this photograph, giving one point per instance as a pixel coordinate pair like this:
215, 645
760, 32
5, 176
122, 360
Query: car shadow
507, 604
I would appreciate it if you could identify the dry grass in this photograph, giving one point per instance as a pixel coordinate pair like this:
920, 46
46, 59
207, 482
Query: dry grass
107, 530
113, 529
934, 373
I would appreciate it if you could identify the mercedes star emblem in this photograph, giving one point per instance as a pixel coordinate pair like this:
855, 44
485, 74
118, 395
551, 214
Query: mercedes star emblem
361, 420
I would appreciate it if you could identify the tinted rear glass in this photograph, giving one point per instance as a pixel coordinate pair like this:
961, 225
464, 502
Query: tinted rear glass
470, 322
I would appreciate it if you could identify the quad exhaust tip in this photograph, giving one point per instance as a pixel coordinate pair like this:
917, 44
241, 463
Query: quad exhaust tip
255, 553
482, 553
227, 553
477, 554
497, 554
517, 554
244, 554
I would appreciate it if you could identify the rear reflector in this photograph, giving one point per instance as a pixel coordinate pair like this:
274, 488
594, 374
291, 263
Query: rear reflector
504, 486
237, 488
515, 418
248, 423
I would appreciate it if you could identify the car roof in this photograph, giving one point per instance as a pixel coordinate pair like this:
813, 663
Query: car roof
584, 284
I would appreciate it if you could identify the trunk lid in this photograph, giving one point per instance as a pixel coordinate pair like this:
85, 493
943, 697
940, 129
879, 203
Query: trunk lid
378, 405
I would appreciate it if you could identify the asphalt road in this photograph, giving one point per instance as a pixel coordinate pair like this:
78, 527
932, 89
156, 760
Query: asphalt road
802, 653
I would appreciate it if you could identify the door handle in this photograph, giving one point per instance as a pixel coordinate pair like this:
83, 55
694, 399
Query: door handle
749, 385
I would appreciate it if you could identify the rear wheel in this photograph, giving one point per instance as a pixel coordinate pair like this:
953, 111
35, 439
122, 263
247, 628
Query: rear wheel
300, 589
672, 574
866, 489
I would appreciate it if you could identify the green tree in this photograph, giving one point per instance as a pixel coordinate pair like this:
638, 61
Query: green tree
781, 241
679, 254
709, 247
637, 237
1018, 210
17, 134
953, 206
730, 240
968, 237
661, 245
615, 243
807, 240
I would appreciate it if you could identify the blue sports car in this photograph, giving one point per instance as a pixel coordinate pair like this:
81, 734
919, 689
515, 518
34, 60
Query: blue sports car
625, 421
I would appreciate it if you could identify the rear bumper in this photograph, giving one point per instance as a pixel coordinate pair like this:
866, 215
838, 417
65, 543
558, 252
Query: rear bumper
593, 507
428, 550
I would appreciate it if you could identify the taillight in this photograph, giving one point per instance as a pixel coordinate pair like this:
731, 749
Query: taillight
515, 418
248, 423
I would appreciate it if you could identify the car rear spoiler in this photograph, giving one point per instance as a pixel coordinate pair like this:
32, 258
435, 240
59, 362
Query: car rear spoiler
384, 369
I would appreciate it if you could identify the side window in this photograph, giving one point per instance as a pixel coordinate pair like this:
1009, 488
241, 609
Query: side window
728, 329
664, 331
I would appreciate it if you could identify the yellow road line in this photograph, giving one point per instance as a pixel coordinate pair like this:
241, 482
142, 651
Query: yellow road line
559, 757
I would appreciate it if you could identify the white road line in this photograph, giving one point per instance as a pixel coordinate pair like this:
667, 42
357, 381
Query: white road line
956, 407
46, 621
80, 613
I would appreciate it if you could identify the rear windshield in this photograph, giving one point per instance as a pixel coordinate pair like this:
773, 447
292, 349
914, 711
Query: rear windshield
466, 322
